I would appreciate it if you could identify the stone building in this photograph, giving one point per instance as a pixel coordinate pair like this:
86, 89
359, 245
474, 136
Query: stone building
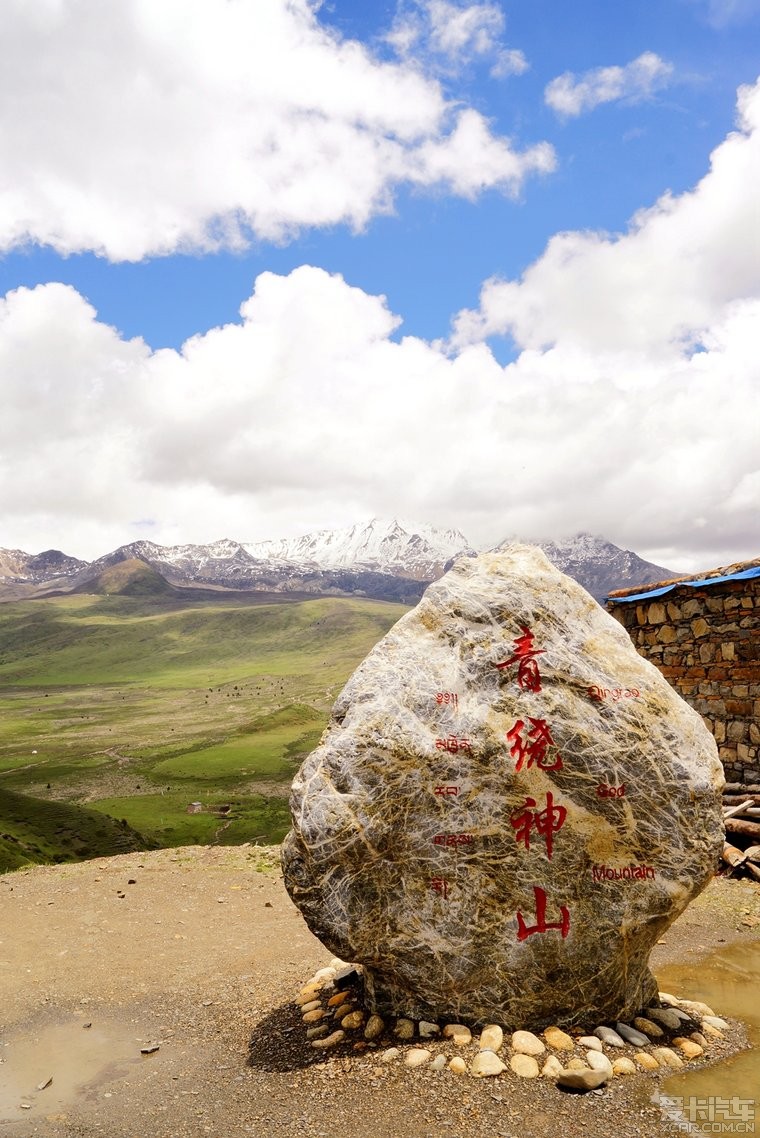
703, 633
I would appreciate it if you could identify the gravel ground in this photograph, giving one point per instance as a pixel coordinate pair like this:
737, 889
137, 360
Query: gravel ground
200, 952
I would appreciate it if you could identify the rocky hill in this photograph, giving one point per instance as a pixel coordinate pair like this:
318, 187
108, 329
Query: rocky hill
130, 578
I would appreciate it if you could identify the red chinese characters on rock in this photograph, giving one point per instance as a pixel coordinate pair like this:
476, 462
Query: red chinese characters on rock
542, 925
452, 839
524, 655
446, 791
450, 698
531, 745
546, 823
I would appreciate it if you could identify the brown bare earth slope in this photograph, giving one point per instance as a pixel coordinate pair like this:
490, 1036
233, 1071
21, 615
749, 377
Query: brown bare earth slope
199, 952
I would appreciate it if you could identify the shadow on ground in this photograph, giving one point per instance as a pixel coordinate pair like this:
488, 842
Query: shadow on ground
279, 1043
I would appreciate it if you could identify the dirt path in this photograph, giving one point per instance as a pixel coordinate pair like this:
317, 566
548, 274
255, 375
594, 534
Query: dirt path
200, 951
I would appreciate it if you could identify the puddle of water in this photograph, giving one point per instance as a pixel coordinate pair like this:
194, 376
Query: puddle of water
729, 981
79, 1060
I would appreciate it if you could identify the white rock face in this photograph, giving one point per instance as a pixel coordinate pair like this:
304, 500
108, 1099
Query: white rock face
508, 808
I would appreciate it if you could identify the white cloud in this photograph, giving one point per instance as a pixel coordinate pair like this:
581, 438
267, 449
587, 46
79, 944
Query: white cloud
451, 35
656, 290
474, 28
509, 62
252, 432
571, 96
727, 13
140, 128
472, 159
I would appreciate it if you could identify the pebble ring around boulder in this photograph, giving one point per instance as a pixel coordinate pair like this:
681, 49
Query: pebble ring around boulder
507, 809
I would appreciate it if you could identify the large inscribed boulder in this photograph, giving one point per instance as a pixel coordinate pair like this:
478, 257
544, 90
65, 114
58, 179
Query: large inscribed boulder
507, 809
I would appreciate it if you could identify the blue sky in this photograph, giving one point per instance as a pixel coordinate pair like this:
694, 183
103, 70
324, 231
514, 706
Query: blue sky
555, 202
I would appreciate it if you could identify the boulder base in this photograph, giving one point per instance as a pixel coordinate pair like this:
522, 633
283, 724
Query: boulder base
508, 807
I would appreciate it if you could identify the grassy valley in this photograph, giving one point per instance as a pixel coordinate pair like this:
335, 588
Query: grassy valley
144, 717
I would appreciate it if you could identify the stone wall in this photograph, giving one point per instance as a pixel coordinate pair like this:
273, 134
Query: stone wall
706, 642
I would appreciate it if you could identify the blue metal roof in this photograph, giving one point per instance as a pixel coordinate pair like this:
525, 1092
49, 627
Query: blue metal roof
695, 583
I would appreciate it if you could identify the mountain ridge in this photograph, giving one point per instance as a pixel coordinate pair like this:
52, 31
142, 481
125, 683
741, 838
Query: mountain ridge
384, 559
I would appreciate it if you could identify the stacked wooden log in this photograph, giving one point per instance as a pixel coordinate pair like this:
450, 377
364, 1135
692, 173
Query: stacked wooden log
741, 817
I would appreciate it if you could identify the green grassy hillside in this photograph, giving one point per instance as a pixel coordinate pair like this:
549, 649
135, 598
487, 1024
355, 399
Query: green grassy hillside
132, 707
131, 578
33, 831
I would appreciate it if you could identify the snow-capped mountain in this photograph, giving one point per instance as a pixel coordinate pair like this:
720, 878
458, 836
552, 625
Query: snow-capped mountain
382, 559
217, 559
379, 546
600, 566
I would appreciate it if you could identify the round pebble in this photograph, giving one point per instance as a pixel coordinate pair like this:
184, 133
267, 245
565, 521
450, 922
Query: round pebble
608, 1036
710, 1031
685, 1017
525, 1066
306, 996
324, 974
438, 1063
631, 1035
558, 1039
688, 1047
390, 1054
311, 1006
551, 1068
647, 1061
491, 1037
667, 1058
416, 1057
404, 1029
526, 1043
666, 1016
352, 1021
666, 998
696, 1007
314, 1016
584, 1080
699, 1038
428, 1030
459, 1035
338, 999
485, 1064
623, 1066
457, 1065
592, 1042
715, 1021
317, 1032
598, 1061
653, 1030
329, 1041
375, 1027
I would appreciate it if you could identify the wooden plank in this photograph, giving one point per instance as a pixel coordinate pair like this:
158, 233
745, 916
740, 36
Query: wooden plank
730, 811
